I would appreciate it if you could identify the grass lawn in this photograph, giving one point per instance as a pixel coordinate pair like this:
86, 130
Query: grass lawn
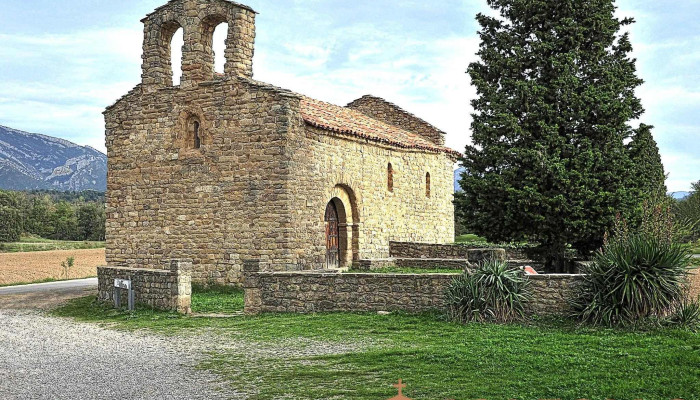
217, 299
35, 243
437, 359
469, 237
400, 270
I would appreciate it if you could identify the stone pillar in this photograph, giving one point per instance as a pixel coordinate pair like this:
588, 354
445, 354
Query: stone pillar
240, 44
182, 291
251, 280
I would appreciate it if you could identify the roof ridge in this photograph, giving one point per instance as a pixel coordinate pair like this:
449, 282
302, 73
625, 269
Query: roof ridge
398, 108
383, 132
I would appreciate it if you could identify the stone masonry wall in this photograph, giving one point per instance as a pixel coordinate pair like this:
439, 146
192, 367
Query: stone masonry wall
217, 204
158, 288
551, 292
308, 292
355, 173
446, 251
382, 110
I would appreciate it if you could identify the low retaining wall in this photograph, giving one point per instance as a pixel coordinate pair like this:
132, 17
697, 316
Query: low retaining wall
158, 288
551, 293
423, 263
433, 263
443, 251
309, 292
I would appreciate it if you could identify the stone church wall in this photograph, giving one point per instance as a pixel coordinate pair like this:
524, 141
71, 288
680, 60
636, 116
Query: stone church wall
324, 167
215, 205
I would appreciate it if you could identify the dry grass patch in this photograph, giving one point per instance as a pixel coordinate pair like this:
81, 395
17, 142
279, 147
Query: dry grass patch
38, 266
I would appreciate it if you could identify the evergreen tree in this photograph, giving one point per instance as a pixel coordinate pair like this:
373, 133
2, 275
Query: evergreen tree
548, 163
64, 222
91, 222
648, 170
10, 217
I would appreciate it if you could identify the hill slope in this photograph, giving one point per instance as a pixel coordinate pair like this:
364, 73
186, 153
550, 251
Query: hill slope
33, 161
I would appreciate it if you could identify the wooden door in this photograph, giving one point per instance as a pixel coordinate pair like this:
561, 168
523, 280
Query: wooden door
332, 237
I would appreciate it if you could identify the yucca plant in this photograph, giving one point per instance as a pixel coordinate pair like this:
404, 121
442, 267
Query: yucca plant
687, 315
632, 278
493, 292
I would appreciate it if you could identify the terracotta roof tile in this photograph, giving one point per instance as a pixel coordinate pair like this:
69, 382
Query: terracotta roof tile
349, 122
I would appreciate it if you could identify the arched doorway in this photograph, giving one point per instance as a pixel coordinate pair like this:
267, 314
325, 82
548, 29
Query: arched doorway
343, 203
332, 222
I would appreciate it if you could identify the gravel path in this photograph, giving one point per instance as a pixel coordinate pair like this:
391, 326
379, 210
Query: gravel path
52, 358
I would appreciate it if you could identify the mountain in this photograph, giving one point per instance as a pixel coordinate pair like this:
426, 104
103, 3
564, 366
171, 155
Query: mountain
680, 195
33, 161
457, 176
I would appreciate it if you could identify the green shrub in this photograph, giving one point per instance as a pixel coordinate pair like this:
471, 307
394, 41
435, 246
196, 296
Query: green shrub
493, 292
687, 315
632, 278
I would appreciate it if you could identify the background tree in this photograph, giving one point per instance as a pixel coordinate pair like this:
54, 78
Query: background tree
38, 217
64, 222
11, 223
548, 163
91, 222
686, 213
648, 171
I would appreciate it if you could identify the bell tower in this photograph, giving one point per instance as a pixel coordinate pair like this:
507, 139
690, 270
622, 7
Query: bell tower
198, 19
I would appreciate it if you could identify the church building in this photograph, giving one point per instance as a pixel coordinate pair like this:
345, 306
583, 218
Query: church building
222, 168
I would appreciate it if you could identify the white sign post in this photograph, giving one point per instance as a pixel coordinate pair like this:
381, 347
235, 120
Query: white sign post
123, 284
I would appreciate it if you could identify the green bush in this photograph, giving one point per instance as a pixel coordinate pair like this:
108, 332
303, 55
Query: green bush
687, 315
632, 278
493, 292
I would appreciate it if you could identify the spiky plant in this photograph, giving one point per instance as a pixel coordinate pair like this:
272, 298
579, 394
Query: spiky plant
687, 315
632, 279
493, 292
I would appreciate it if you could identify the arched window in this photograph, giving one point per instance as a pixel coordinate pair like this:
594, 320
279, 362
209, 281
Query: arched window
427, 184
197, 139
176, 43
219, 47
193, 137
390, 177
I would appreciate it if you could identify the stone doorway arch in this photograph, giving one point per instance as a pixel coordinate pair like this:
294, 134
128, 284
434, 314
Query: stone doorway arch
332, 220
344, 201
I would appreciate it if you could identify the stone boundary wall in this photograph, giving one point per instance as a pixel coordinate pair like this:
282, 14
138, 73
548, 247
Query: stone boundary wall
424, 263
164, 289
310, 292
443, 251
551, 292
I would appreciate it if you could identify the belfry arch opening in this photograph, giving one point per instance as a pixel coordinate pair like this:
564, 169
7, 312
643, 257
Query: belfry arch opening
214, 30
176, 42
219, 47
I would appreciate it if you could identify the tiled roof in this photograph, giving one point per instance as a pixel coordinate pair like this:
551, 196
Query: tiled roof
349, 122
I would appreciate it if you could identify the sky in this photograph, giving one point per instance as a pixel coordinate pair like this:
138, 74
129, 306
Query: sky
63, 62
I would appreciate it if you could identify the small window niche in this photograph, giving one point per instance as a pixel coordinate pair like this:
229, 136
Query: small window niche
427, 184
390, 177
194, 132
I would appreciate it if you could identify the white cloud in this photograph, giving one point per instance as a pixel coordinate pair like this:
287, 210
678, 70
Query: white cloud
60, 84
426, 78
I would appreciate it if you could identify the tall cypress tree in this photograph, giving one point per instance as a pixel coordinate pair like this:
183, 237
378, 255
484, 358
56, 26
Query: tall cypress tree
548, 163
648, 170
